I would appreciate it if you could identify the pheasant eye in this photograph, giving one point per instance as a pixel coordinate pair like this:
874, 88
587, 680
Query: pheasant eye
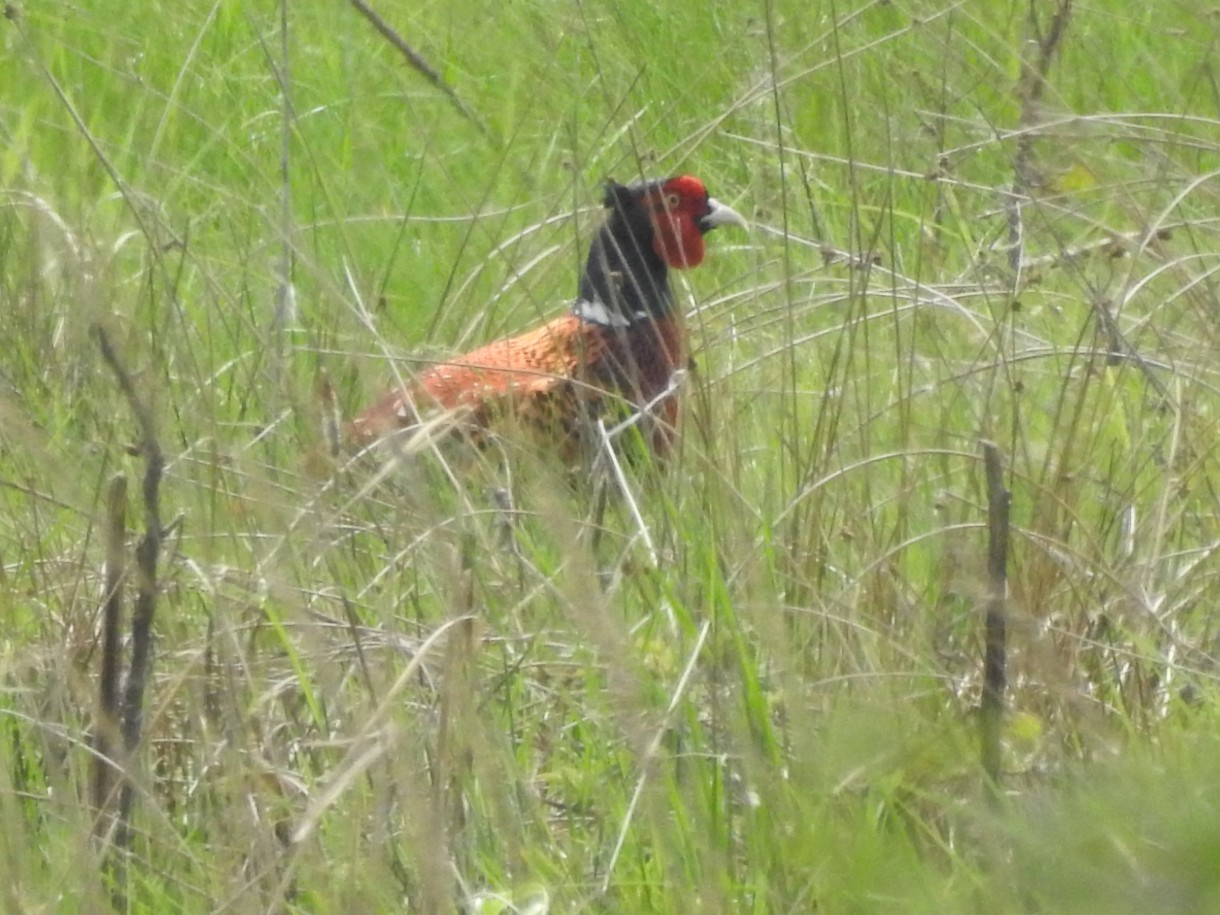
672, 201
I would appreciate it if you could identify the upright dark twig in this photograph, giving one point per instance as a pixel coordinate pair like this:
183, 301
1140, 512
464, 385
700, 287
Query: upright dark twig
147, 554
995, 655
106, 728
1030, 88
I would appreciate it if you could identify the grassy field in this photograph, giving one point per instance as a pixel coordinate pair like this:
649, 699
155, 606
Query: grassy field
756, 693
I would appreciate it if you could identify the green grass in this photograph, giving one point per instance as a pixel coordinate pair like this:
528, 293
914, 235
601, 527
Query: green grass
364, 701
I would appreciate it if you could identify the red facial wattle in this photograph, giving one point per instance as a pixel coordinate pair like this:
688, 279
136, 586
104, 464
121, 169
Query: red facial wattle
678, 240
677, 205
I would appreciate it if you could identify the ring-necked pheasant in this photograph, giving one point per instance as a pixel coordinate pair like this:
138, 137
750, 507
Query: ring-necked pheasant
621, 340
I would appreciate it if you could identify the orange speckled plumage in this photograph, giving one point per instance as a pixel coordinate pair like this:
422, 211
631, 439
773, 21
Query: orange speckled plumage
564, 368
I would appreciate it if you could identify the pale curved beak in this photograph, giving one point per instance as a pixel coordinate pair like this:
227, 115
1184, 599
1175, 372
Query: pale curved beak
718, 214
